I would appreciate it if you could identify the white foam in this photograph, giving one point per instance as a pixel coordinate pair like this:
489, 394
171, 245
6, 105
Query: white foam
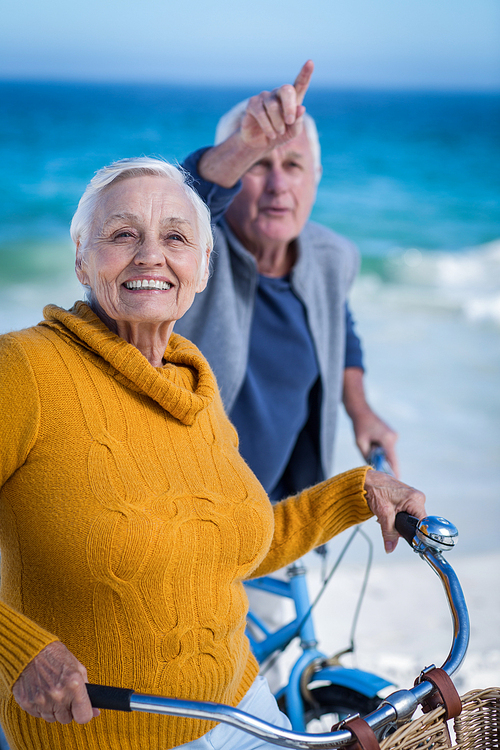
466, 281
22, 304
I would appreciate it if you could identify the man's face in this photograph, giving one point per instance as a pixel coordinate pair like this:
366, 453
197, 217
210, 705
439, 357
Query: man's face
277, 197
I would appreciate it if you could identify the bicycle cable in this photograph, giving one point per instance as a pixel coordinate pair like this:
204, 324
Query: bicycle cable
326, 580
363, 588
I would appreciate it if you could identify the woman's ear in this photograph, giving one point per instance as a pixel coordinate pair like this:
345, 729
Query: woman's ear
203, 281
80, 265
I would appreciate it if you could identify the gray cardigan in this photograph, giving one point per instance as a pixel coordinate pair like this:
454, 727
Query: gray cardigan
220, 318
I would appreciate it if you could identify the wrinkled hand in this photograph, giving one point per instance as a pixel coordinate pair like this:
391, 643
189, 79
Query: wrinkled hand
275, 117
52, 687
271, 119
386, 497
370, 430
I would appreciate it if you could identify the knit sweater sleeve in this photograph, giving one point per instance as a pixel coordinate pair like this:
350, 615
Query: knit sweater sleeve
314, 516
20, 638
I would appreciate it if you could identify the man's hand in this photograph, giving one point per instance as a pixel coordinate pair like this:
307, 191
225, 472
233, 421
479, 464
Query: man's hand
52, 687
271, 119
275, 117
369, 429
386, 497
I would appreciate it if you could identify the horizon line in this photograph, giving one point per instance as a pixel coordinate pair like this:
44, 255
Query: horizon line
333, 86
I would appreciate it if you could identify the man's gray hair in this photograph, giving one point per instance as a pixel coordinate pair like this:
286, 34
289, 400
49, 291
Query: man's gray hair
230, 122
140, 166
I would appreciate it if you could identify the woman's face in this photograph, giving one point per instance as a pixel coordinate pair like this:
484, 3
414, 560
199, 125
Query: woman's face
142, 258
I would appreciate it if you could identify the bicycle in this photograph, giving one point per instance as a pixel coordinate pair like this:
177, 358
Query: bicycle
429, 538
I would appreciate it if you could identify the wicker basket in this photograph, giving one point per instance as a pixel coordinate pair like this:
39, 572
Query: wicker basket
426, 732
477, 727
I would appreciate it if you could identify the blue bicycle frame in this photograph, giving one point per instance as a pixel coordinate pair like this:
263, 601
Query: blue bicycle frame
295, 588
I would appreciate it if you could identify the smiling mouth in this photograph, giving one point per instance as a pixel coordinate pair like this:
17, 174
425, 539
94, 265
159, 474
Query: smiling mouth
148, 284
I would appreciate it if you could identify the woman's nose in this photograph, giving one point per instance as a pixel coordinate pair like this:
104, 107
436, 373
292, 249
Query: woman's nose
149, 253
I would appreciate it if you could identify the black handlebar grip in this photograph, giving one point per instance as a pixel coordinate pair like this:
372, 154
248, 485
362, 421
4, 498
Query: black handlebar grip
113, 698
406, 525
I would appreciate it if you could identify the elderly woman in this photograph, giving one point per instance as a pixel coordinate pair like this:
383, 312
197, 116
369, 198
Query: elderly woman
128, 519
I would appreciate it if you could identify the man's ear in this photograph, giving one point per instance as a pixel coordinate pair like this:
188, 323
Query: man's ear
80, 265
203, 281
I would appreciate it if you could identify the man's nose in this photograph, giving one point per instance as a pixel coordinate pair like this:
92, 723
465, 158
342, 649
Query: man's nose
276, 180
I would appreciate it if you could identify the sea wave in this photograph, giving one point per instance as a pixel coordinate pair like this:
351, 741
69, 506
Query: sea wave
464, 282
467, 281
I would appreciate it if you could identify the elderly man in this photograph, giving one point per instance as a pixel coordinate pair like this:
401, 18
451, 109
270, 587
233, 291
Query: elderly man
274, 321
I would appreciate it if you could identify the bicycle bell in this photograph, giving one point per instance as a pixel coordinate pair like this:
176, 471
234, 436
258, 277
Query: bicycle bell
437, 533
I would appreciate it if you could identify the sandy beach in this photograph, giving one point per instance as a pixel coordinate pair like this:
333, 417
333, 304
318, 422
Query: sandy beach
448, 420
405, 623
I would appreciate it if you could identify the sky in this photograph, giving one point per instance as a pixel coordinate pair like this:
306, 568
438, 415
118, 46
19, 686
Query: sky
412, 44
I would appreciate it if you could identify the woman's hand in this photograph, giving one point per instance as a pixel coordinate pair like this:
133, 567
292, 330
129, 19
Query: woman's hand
387, 496
52, 687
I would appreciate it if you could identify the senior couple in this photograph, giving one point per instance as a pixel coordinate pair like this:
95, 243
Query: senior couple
128, 518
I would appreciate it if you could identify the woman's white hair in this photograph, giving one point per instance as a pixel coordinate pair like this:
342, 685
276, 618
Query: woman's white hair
139, 167
230, 122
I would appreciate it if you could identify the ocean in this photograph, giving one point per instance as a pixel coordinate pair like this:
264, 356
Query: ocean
412, 178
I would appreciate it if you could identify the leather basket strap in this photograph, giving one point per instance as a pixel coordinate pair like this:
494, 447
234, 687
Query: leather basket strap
364, 734
445, 693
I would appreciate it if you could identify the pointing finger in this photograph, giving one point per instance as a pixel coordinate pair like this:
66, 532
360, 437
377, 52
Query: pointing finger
302, 81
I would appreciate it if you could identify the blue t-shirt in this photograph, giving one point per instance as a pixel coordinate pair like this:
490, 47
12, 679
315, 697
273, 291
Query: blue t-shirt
271, 410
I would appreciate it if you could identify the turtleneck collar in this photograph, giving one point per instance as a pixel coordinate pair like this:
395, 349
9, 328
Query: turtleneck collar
184, 386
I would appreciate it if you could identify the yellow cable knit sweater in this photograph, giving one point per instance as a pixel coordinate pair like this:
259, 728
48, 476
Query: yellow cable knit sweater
128, 523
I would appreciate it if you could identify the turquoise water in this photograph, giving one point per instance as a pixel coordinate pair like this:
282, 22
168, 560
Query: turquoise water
400, 170
412, 178
404, 173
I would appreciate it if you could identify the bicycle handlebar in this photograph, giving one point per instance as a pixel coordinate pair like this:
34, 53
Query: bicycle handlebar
406, 525
428, 537
377, 459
